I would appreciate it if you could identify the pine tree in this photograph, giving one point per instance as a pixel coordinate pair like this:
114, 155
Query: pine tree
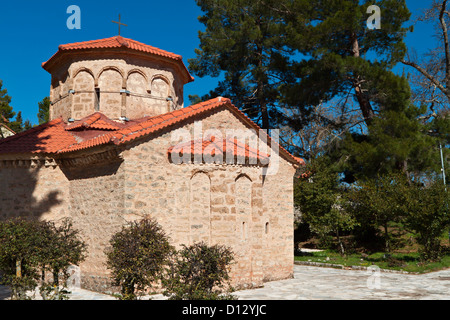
17, 124
397, 142
243, 41
346, 59
44, 107
6, 111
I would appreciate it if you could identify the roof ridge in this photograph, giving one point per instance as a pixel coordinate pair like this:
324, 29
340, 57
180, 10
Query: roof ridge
118, 42
141, 127
66, 45
164, 121
90, 120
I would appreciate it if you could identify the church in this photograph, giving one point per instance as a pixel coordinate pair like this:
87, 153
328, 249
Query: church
120, 145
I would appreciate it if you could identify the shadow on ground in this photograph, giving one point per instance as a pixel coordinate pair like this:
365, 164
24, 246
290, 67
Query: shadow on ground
5, 293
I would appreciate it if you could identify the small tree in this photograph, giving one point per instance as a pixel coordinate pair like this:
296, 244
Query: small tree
136, 257
19, 241
44, 110
379, 202
29, 248
60, 248
199, 272
428, 217
318, 196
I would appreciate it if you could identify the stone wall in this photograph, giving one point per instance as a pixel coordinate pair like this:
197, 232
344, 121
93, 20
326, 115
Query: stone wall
148, 85
96, 209
236, 205
38, 192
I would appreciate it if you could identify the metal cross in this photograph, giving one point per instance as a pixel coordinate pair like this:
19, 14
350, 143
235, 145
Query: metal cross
120, 24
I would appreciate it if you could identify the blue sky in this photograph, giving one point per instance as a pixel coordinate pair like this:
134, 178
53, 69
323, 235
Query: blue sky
32, 30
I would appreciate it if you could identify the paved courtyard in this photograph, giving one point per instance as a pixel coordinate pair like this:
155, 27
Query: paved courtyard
317, 283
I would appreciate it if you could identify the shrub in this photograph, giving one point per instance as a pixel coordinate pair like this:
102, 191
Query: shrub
19, 245
428, 217
61, 248
199, 272
137, 256
377, 203
319, 198
29, 248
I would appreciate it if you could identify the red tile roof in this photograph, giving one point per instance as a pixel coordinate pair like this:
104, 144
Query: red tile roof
46, 138
95, 121
212, 149
118, 42
57, 137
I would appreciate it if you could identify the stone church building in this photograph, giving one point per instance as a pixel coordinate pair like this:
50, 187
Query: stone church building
120, 145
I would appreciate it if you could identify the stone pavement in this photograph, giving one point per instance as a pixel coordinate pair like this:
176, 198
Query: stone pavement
318, 283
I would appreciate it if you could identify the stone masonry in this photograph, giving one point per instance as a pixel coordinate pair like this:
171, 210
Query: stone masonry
102, 187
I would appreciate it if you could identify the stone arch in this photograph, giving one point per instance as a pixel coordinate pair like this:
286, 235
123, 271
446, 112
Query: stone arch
160, 77
243, 175
138, 103
244, 225
160, 90
65, 84
243, 196
110, 83
74, 74
200, 208
104, 69
134, 71
84, 98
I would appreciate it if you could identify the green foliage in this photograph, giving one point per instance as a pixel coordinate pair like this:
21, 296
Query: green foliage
318, 196
427, 216
243, 41
29, 248
199, 272
60, 248
6, 111
44, 109
19, 251
344, 58
396, 143
136, 257
409, 262
376, 203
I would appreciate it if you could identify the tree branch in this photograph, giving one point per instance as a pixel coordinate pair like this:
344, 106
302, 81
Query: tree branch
436, 82
446, 43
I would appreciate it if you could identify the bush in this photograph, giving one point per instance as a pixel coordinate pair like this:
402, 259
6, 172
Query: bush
61, 248
428, 217
199, 272
137, 256
19, 252
29, 248
377, 204
319, 198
